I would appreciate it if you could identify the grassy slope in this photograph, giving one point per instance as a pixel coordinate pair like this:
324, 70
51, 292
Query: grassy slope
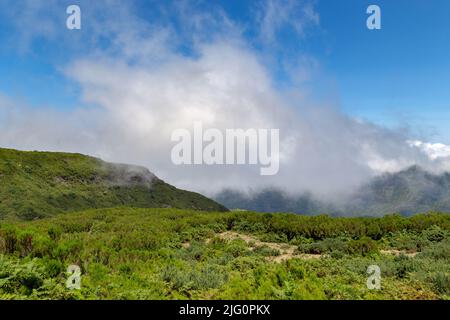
177, 254
168, 253
41, 184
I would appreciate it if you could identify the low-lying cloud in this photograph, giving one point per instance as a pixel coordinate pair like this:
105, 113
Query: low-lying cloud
136, 101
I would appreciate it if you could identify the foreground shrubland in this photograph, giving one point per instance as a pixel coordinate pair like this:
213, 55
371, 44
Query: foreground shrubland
178, 254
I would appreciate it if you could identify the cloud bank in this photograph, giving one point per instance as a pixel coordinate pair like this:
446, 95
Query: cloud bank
140, 87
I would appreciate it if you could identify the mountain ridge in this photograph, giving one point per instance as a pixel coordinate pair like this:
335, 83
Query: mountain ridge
37, 184
410, 191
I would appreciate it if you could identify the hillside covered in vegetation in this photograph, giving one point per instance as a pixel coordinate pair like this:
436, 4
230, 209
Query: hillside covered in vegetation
135, 237
40, 184
185, 254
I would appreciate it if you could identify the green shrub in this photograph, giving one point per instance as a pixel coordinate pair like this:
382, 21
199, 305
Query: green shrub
175, 277
441, 283
440, 250
364, 246
434, 234
53, 267
125, 269
407, 241
8, 241
55, 232
25, 244
237, 248
266, 251
208, 277
18, 278
330, 245
67, 248
404, 265
43, 246
244, 264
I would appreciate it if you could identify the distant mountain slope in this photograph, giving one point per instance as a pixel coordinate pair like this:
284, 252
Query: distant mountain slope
39, 184
407, 192
273, 200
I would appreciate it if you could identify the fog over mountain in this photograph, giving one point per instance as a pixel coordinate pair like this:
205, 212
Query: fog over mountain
407, 192
140, 86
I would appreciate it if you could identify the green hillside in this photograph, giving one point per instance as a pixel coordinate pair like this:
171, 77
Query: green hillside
133, 236
407, 192
185, 254
40, 184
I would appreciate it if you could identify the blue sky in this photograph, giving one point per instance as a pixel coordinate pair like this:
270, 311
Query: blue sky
399, 75
350, 102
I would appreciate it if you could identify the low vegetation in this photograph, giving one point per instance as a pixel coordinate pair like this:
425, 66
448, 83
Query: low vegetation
185, 254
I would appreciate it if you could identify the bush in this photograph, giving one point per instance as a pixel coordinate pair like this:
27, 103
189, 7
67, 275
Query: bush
175, 277
244, 264
42, 246
440, 250
8, 241
25, 244
407, 241
55, 232
335, 246
237, 248
53, 267
266, 251
404, 265
125, 269
67, 249
18, 278
208, 277
364, 246
434, 234
202, 277
441, 283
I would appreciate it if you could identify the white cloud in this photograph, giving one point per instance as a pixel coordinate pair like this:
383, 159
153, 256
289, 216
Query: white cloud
433, 150
143, 89
225, 86
294, 14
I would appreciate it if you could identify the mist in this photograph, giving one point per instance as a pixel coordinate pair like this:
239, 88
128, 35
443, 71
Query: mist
140, 89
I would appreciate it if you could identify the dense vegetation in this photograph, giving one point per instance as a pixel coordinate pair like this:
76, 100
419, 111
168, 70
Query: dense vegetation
40, 184
127, 248
167, 254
